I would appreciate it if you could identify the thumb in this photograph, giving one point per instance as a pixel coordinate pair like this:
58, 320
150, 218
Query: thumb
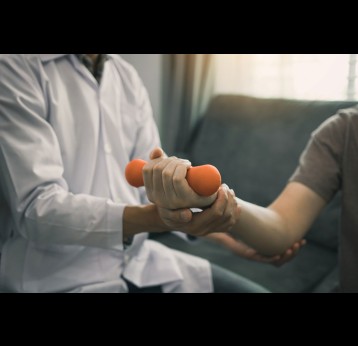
177, 216
156, 153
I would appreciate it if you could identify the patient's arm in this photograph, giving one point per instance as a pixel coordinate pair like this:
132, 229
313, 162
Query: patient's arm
274, 229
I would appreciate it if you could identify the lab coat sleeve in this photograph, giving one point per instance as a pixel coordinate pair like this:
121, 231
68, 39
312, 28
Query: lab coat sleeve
31, 170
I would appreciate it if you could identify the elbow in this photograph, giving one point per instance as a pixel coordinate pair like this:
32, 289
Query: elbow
280, 243
277, 239
35, 212
29, 226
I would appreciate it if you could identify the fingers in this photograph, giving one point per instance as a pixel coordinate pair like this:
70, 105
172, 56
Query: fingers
264, 259
166, 184
184, 191
157, 153
163, 176
175, 218
180, 184
220, 217
213, 217
290, 253
296, 247
245, 251
158, 180
229, 215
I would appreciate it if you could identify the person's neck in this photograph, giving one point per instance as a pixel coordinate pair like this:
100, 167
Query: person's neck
93, 57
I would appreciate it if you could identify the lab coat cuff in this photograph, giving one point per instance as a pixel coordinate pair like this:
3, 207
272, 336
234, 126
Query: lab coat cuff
186, 237
115, 225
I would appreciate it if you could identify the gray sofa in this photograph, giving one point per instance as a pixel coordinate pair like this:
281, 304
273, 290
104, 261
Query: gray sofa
256, 143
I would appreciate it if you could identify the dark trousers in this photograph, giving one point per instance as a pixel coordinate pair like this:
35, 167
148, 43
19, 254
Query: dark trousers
224, 281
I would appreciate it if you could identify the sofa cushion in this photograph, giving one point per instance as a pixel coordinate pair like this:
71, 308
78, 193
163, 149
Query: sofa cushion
256, 143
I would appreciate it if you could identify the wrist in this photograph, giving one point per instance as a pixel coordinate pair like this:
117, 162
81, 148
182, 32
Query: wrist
140, 219
238, 216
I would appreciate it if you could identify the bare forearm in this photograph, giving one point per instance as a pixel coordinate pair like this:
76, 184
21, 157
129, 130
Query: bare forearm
263, 229
274, 229
140, 219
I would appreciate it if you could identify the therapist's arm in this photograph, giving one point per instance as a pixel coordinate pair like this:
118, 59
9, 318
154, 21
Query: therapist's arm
142, 218
219, 217
31, 174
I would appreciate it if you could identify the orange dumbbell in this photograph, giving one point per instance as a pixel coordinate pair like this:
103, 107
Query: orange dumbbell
204, 180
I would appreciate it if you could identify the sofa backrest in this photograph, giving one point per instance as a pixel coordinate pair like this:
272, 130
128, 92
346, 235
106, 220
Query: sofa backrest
256, 143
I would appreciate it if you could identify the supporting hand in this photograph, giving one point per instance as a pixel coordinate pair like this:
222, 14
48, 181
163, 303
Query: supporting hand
241, 249
219, 217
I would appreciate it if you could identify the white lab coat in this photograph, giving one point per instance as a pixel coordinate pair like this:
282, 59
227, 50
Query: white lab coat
64, 145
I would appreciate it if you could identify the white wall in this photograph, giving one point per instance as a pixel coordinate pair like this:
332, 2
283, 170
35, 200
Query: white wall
149, 67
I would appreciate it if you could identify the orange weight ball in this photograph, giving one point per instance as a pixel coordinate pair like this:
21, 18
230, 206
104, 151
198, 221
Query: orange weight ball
204, 180
133, 172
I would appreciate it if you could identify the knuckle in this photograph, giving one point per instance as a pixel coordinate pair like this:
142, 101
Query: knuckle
166, 174
146, 169
228, 216
170, 205
157, 170
173, 217
231, 223
218, 213
177, 180
173, 204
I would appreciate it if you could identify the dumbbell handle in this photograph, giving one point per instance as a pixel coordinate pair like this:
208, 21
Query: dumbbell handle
204, 180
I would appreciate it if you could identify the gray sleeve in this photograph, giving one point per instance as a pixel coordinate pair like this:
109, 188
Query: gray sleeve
320, 163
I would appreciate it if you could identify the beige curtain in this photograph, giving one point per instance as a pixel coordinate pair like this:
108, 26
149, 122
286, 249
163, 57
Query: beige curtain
187, 88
